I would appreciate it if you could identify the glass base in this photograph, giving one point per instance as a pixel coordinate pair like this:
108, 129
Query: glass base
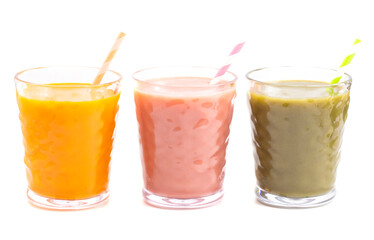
181, 203
270, 199
61, 204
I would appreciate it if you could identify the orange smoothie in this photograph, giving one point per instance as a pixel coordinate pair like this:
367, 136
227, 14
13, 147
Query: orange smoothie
68, 133
184, 128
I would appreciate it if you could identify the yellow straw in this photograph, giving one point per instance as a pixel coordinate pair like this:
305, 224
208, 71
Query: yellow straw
109, 58
347, 60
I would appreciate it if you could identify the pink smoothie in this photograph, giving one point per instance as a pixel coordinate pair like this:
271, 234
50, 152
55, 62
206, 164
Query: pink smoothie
184, 129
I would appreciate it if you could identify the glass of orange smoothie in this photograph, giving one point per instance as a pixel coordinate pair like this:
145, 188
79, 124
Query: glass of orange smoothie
184, 130
68, 129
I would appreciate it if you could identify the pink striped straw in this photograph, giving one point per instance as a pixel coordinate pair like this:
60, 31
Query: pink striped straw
225, 67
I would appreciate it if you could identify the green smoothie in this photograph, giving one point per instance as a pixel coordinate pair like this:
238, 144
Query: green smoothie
297, 134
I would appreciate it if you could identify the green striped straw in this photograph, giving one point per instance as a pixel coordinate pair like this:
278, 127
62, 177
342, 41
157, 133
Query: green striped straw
347, 60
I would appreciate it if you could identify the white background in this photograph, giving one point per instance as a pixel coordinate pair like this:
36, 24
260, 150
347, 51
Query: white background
193, 32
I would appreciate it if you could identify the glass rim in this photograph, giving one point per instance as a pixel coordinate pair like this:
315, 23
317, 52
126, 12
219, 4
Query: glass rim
219, 84
18, 74
274, 84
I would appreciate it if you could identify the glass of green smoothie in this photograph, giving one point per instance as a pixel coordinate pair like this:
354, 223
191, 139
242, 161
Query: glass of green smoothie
297, 128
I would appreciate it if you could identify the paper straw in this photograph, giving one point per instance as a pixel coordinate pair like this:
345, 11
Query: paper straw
225, 67
347, 60
109, 58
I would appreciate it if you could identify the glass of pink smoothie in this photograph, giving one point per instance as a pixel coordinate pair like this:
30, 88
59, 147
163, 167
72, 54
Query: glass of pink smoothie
184, 125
